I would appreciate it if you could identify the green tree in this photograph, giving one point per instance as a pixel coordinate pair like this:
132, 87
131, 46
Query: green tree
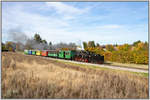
85, 45
37, 38
44, 41
50, 43
136, 42
97, 45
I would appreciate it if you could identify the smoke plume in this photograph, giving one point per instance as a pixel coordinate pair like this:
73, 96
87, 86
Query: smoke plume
24, 42
17, 35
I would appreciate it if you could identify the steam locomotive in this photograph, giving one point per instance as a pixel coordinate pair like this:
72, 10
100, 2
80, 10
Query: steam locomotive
82, 56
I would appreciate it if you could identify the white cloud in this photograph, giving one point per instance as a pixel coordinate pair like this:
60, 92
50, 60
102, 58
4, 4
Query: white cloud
61, 29
63, 8
48, 27
110, 26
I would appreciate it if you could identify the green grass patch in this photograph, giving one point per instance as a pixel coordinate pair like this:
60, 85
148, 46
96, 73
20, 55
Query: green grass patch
81, 65
102, 68
139, 66
141, 74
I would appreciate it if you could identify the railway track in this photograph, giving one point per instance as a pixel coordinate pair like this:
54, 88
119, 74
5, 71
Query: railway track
99, 65
106, 66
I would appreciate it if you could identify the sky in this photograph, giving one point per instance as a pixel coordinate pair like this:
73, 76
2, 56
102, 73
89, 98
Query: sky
103, 22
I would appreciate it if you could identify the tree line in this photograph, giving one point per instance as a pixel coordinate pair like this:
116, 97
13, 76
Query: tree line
126, 53
36, 43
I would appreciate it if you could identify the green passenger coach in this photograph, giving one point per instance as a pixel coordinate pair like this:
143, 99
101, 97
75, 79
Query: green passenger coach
53, 53
69, 54
26, 52
61, 54
80, 55
33, 52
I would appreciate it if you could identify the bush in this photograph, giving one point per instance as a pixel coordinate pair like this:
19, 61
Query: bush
126, 53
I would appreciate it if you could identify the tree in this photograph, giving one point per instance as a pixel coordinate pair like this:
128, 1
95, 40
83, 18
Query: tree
136, 42
50, 43
146, 45
3, 46
97, 45
115, 45
110, 48
91, 44
124, 47
85, 45
37, 38
44, 41
50, 46
10, 46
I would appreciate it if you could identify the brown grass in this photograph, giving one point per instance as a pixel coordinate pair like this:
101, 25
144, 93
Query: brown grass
36, 77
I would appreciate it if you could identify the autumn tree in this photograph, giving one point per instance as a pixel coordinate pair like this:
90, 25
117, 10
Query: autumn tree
91, 44
10, 46
140, 53
110, 48
124, 47
3, 46
126, 53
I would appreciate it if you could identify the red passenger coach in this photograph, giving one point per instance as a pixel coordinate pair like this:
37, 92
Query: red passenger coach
44, 53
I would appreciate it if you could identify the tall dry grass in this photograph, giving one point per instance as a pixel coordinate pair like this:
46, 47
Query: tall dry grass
36, 77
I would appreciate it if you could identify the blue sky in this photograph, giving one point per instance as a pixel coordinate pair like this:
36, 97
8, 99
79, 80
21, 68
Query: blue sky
103, 22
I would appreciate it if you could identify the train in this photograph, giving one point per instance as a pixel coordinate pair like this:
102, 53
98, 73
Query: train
76, 55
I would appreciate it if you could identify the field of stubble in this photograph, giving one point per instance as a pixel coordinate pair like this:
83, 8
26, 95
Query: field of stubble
36, 77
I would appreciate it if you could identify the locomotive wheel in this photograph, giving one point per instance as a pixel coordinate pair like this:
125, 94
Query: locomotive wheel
76, 59
79, 59
86, 60
82, 59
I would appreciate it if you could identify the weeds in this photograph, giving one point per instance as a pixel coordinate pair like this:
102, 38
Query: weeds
49, 79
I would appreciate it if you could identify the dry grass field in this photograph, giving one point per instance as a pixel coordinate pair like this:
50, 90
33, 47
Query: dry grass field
37, 77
